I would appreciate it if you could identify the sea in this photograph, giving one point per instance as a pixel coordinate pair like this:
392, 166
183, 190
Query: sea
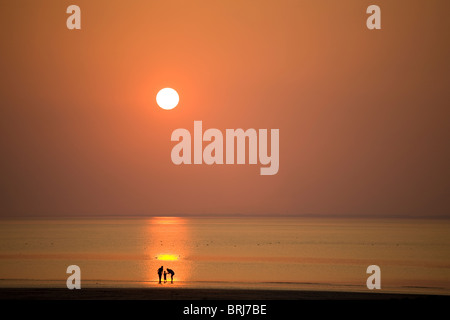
275, 253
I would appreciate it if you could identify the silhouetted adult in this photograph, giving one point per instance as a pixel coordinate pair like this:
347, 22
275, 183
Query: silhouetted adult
171, 274
160, 272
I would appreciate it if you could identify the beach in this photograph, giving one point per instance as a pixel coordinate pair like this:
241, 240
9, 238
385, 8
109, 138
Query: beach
194, 294
229, 257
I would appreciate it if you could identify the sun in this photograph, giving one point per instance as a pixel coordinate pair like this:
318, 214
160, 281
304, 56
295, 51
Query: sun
167, 98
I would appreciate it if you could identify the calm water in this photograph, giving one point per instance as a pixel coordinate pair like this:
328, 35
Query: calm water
271, 253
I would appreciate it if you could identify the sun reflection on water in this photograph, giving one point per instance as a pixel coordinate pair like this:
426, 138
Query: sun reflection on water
167, 257
167, 246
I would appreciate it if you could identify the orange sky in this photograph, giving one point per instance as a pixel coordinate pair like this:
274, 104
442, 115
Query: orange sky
363, 115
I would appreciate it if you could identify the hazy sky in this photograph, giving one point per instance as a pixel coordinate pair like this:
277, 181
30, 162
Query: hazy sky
364, 116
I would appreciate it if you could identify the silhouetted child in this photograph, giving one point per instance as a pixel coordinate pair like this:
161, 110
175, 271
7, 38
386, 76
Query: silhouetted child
165, 277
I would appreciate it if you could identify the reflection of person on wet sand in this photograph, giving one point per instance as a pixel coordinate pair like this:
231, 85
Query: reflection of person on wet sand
160, 271
165, 276
171, 274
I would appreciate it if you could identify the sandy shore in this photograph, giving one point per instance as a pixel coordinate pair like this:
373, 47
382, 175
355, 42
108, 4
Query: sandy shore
191, 294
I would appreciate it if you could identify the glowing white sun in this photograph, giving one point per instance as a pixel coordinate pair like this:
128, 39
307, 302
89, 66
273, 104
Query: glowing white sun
167, 98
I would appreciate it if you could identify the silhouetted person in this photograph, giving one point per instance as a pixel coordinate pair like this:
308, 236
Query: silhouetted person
165, 277
171, 274
160, 271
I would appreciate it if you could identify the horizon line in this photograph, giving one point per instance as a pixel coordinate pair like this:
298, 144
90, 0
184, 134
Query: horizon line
229, 215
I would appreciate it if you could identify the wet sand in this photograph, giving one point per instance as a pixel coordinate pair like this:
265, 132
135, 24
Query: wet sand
192, 294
